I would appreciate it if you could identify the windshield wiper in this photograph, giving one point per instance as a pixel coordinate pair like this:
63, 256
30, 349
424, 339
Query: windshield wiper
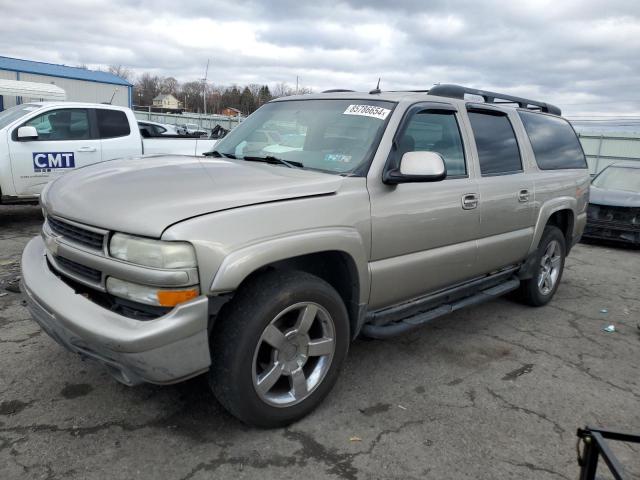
217, 154
274, 160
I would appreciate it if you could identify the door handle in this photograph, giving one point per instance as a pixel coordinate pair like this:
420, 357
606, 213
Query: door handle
469, 201
523, 196
87, 149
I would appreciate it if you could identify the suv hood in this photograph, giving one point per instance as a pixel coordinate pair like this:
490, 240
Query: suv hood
145, 195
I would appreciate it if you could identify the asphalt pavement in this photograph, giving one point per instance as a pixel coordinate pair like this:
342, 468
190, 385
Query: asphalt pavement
491, 392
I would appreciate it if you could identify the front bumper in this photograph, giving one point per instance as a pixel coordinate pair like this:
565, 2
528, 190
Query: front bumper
615, 232
165, 350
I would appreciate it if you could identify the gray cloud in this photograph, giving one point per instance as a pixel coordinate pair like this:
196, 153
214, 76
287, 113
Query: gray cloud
583, 55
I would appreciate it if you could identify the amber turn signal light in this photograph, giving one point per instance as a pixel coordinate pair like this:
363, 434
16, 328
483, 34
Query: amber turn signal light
170, 298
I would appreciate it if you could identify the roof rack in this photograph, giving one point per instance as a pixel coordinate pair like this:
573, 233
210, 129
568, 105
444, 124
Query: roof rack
458, 91
337, 90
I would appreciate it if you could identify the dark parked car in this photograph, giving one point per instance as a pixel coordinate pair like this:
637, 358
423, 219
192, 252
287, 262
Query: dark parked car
614, 205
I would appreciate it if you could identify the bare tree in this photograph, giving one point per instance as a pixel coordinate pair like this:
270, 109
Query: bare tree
121, 71
283, 89
146, 88
246, 98
169, 85
191, 96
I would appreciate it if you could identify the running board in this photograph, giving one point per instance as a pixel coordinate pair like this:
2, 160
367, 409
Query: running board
412, 323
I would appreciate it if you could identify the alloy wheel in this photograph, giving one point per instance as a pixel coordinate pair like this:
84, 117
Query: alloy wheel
550, 264
293, 354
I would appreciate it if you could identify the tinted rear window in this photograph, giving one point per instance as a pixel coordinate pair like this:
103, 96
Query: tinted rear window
554, 142
112, 123
496, 143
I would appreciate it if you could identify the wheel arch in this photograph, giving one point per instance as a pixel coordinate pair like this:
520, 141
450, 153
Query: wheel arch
337, 256
559, 212
564, 219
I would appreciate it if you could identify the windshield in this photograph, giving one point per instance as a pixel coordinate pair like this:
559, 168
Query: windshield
14, 113
619, 178
336, 136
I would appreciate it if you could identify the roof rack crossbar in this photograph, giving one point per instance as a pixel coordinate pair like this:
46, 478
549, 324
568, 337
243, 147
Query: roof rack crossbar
458, 91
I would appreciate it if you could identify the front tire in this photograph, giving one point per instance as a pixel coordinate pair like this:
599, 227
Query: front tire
549, 266
278, 348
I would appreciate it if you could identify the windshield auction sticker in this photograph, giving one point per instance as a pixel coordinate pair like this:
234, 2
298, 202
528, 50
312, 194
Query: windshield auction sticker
367, 111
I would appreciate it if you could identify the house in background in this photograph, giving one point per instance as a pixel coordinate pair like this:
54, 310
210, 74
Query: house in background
166, 101
231, 112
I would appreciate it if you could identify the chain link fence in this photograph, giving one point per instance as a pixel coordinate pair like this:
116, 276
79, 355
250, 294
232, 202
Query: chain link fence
206, 122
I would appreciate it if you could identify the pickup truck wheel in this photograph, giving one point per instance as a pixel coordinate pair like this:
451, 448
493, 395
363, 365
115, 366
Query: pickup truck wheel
539, 289
278, 348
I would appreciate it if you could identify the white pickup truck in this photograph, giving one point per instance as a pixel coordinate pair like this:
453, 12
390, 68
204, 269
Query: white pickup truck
41, 141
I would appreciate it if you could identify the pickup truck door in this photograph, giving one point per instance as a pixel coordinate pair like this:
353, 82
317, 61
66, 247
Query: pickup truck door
117, 136
506, 191
66, 140
424, 234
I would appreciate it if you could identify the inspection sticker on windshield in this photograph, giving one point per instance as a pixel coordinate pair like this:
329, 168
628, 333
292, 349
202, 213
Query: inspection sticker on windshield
367, 111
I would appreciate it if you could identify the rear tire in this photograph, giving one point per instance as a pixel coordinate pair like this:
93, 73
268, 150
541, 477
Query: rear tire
278, 348
549, 265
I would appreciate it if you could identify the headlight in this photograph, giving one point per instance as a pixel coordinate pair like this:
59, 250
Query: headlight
160, 297
152, 253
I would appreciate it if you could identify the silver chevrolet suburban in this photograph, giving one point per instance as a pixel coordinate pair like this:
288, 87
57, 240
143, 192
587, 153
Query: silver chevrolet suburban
367, 214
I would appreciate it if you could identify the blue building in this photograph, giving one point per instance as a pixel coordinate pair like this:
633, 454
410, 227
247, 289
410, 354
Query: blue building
80, 85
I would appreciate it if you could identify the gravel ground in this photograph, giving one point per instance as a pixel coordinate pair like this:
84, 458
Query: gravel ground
496, 391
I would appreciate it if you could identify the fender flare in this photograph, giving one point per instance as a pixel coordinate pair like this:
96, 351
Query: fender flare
546, 211
239, 264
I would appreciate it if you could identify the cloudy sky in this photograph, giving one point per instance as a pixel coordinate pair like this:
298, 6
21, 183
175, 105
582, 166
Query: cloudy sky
582, 55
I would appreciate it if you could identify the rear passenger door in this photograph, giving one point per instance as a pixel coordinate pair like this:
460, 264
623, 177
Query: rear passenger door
116, 137
506, 191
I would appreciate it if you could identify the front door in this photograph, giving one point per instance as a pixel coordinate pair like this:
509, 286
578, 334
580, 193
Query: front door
424, 234
65, 141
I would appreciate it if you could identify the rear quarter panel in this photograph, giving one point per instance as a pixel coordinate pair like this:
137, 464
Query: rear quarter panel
558, 190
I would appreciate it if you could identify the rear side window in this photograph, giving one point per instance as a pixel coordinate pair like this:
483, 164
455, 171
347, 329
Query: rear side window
554, 142
496, 142
112, 123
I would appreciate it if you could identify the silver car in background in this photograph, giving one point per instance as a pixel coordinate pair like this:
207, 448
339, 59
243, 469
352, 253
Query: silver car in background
155, 129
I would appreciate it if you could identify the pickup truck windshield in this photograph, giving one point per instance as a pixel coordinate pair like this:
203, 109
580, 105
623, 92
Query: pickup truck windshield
334, 136
14, 113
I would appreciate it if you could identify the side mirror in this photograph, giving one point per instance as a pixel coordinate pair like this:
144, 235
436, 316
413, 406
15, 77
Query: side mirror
27, 133
417, 167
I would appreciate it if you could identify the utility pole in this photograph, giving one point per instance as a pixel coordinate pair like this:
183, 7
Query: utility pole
296, 84
204, 88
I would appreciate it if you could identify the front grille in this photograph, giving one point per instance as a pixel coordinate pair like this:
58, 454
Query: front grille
82, 271
613, 225
76, 234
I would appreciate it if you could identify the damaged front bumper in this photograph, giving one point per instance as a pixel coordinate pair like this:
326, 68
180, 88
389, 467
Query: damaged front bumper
615, 232
165, 350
